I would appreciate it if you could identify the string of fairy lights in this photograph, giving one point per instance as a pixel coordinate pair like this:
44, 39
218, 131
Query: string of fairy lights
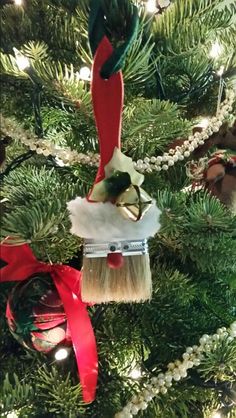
160, 384
66, 156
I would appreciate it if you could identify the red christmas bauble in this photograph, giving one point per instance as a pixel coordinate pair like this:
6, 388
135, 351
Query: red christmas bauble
36, 316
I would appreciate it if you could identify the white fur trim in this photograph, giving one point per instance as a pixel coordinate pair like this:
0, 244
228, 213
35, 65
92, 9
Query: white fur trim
103, 222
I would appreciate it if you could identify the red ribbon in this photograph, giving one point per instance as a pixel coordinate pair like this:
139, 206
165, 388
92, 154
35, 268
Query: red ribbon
23, 264
107, 98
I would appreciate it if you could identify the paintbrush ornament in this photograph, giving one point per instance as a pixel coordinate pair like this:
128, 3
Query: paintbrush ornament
117, 216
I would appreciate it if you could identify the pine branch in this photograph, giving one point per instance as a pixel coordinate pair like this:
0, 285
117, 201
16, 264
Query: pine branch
15, 27
10, 67
58, 394
182, 401
40, 216
219, 364
14, 394
59, 79
208, 214
209, 221
138, 67
149, 125
197, 20
194, 74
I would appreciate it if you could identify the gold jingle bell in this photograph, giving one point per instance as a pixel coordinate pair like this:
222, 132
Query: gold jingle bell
133, 203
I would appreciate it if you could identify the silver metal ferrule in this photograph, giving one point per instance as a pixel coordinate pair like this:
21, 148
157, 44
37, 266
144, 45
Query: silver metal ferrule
94, 249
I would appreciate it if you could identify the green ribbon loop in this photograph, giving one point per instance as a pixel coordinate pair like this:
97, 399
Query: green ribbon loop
96, 29
96, 32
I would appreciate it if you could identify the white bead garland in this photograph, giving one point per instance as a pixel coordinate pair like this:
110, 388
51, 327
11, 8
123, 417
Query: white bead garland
176, 371
148, 164
43, 146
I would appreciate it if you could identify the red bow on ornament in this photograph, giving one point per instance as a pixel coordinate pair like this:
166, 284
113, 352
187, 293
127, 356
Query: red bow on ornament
21, 265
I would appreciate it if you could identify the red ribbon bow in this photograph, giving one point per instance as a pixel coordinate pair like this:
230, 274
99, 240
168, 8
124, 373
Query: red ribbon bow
23, 264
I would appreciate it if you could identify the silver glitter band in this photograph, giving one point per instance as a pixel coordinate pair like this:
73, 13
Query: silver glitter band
93, 249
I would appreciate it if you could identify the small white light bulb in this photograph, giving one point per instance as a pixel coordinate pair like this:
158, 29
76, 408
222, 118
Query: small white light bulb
21, 60
85, 74
151, 6
18, 2
135, 373
216, 50
204, 122
220, 72
12, 414
216, 415
61, 354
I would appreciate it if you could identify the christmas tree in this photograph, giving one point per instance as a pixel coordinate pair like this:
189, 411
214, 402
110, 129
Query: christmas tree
175, 355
